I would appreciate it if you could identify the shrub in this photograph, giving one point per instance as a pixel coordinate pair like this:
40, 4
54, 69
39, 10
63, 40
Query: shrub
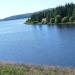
52, 20
72, 18
58, 19
44, 20
65, 19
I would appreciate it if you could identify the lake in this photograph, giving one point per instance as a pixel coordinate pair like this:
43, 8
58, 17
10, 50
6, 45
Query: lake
36, 44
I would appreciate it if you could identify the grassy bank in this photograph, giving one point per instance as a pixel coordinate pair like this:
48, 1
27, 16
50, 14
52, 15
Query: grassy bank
22, 69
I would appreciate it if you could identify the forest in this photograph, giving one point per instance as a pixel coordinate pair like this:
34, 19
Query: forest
59, 15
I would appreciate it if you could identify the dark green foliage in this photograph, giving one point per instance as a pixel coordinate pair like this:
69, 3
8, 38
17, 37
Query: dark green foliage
58, 19
48, 18
65, 12
29, 20
73, 14
52, 20
71, 19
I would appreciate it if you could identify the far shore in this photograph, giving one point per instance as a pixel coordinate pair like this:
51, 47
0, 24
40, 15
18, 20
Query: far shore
40, 23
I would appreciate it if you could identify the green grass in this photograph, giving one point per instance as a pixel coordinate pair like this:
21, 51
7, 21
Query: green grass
22, 69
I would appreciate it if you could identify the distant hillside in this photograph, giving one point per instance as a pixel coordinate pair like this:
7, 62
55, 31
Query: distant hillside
17, 17
21, 16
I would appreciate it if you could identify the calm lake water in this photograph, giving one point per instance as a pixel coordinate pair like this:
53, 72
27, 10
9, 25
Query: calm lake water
37, 44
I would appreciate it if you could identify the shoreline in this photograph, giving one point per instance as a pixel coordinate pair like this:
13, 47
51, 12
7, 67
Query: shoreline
40, 23
31, 69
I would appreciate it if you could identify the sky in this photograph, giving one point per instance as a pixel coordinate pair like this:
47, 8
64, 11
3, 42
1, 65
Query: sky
15, 7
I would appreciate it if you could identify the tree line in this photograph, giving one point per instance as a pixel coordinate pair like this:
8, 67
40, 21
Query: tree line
62, 14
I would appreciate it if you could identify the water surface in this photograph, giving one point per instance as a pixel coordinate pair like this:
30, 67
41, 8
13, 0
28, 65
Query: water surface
23, 43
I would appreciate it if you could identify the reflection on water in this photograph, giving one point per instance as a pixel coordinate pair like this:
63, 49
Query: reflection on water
37, 44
